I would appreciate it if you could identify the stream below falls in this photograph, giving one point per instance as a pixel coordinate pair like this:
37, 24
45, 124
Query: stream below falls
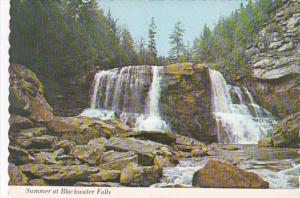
278, 166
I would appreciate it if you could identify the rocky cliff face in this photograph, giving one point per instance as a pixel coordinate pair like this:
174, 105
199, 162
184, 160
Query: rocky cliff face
274, 61
186, 100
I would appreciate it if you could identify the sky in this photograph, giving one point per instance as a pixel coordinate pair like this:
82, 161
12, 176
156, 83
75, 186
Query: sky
194, 14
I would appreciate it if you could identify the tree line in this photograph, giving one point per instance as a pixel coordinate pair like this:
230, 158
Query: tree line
81, 35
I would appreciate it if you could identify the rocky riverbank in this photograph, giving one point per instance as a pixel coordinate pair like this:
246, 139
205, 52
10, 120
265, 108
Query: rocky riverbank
49, 150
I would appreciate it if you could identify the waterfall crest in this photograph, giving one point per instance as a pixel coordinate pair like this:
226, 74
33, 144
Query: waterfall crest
238, 118
132, 93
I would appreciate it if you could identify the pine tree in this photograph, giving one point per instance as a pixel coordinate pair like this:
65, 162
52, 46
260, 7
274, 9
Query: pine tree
177, 45
151, 41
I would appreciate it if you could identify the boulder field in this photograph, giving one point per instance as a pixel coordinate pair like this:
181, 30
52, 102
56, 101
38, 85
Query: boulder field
46, 149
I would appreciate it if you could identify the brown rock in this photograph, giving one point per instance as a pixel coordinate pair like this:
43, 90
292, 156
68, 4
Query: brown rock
198, 153
19, 156
19, 122
88, 153
105, 176
286, 132
16, 176
66, 145
38, 182
230, 147
58, 172
216, 174
265, 142
79, 129
118, 160
26, 95
136, 176
98, 184
167, 138
161, 162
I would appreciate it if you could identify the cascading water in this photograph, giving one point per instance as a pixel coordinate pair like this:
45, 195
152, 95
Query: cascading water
126, 93
242, 121
153, 121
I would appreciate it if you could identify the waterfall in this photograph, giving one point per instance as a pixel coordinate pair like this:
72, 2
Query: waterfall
153, 121
240, 121
132, 93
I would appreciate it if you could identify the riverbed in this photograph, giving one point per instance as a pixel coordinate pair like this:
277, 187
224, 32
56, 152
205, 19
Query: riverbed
278, 166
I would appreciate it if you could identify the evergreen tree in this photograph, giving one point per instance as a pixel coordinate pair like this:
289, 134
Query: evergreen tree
151, 41
177, 44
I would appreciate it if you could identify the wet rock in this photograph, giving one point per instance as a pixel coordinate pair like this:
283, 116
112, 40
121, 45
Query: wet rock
16, 176
161, 162
230, 147
167, 138
286, 132
265, 142
198, 153
186, 144
186, 102
58, 172
136, 176
216, 174
88, 153
105, 176
19, 156
184, 154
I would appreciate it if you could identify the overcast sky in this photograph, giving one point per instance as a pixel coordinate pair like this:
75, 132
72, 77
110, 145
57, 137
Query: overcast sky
194, 14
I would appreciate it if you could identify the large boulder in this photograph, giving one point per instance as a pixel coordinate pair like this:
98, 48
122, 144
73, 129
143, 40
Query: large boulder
287, 132
217, 174
27, 95
186, 102
137, 176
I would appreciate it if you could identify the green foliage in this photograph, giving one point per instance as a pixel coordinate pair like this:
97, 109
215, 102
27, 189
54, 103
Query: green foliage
226, 44
151, 41
177, 51
62, 40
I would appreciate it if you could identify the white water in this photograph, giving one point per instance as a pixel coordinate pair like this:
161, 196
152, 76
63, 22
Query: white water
153, 121
235, 122
120, 92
